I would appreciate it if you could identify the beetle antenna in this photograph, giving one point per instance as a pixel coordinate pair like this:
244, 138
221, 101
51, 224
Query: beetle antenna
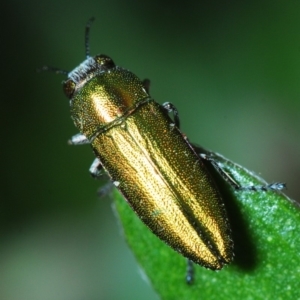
87, 37
52, 69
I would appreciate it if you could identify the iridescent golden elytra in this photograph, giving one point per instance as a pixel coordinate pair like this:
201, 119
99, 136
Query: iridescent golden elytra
150, 161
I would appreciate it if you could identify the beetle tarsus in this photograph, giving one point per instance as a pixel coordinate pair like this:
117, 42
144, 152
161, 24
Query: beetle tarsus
276, 186
189, 278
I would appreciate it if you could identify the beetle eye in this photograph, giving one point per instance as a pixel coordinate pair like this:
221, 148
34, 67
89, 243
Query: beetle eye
104, 61
69, 88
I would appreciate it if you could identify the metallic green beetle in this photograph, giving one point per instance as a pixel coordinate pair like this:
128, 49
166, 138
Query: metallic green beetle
155, 167
149, 160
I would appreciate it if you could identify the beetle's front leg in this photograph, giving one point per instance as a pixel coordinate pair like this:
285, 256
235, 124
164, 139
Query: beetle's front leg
96, 172
189, 278
96, 169
146, 85
78, 139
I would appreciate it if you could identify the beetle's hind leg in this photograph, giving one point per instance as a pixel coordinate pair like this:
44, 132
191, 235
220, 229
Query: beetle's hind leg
214, 161
170, 108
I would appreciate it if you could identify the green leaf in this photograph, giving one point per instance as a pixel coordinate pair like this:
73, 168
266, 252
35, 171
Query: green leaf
265, 227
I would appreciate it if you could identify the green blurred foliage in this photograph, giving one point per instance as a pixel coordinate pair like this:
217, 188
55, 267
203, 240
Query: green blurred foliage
232, 70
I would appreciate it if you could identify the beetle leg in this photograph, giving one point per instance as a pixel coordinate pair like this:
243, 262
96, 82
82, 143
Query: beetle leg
211, 158
189, 272
96, 172
146, 85
226, 176
105, 189
170, 108
96, 168
78, 139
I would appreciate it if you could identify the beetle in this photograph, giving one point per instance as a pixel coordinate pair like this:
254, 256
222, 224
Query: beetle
150, 161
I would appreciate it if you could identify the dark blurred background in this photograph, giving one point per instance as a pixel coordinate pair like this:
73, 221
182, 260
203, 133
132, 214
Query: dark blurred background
231, 68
